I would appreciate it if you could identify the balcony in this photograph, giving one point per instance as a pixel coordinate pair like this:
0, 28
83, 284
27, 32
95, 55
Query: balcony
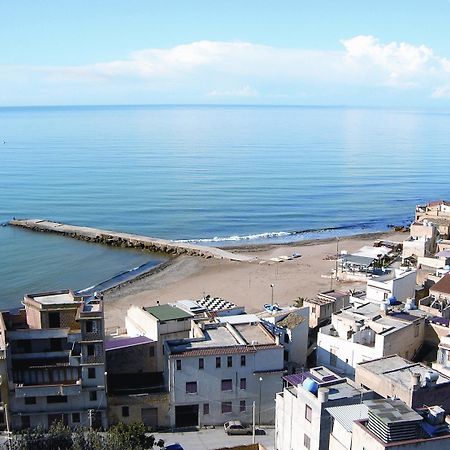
92, 336
92, 359
68, 387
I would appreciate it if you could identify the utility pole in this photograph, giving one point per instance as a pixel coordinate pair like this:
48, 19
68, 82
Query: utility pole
254, 419
272, 286
259, 405
8, 431
90, 415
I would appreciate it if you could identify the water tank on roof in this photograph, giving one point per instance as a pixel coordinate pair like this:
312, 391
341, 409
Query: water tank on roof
310, 385
392, 300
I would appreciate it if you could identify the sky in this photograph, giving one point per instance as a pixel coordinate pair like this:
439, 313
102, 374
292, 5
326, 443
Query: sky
323, 52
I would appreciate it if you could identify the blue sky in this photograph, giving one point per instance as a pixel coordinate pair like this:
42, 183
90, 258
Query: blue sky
381, 53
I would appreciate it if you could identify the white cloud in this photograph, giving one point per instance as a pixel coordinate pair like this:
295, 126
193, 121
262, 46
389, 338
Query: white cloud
243, 91
214, 69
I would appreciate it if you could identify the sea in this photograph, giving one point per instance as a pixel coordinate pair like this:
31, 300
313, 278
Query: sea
219, 175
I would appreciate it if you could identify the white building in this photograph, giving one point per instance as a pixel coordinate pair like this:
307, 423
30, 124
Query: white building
358, 334
292, 326
398, 283
302, 419
443, 356
422, 240
392, 425
55, 361
158, 323
217, 374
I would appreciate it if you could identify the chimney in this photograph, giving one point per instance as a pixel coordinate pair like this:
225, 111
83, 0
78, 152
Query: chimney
415, 381
322, 394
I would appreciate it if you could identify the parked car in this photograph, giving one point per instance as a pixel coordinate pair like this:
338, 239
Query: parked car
236, 427
175, 446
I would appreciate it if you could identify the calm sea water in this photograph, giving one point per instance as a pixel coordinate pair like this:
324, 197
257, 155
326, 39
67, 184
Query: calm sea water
214, 174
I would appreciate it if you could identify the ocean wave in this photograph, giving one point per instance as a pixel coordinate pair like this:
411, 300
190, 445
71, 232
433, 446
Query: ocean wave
268, 235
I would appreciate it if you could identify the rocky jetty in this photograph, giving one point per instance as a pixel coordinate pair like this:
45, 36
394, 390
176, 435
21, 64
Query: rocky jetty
118, 239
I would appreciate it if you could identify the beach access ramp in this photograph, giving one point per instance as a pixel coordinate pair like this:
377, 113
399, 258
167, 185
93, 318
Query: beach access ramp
119, 239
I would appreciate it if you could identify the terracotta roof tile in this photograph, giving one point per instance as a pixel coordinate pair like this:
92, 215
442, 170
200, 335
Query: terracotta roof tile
443, 285
226, 350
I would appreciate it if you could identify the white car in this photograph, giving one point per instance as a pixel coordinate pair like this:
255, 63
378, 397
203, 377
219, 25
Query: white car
236, 427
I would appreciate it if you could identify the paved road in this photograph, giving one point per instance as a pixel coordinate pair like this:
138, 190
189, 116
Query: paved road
214, 439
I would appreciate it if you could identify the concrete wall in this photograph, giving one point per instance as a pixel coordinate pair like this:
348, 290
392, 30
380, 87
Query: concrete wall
340, 438
209, 386
137, 359
402, 287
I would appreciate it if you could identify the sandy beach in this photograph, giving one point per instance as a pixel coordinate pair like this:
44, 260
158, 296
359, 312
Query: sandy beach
244, 283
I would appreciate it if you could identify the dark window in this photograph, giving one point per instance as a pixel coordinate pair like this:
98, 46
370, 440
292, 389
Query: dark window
57, 399
243, 383
125, 411
286, 338
306, 441
89, 326
229, 361
308, 413
218, 362
178, 364
26, 422
56, 345
151, 352
91, 372
191, 387
227, 407
286, 355
54, 320
76, 417
91, 350
227, 385
92, 396
205, 409
242, 406
242, 360
30, 400
201, 363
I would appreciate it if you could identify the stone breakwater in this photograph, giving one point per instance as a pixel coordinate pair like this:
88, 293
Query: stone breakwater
119, 239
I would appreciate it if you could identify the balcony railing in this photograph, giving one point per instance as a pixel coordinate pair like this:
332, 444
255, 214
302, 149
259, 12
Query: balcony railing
92, 359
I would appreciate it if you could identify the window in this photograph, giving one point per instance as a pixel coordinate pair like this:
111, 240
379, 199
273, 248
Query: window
333, 357
30, 400
56, 345
89, 326
191, 387
242, 406
151, 352
229, 361
91, 350
286, 338
227, 407
76, 417
178, 364
286, 355
54, 320
308, 413
57, 399
243, 383
205, 409
201, 363
125, 411
91, 372
93, 396
242, 360
306, 441
26, 423
227, 385
218, 362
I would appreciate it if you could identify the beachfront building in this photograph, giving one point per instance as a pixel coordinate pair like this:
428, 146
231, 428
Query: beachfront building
438, 302
55, 361
218, 373
158, 323
393, 425
324, 305
398, 284
291, 325
414, 383
437, 212
302, 417
422, 240
361, 333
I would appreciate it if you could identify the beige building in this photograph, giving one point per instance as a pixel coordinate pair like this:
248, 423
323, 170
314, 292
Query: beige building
438, 302
55, 361
413, 383
437, 212
324, 305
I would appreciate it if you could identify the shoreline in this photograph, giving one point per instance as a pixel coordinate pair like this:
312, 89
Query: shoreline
241, 282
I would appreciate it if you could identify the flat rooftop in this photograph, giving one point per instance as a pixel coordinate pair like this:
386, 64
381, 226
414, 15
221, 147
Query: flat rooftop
398, 370
254, 333
389, 411
167, 312
53, 298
